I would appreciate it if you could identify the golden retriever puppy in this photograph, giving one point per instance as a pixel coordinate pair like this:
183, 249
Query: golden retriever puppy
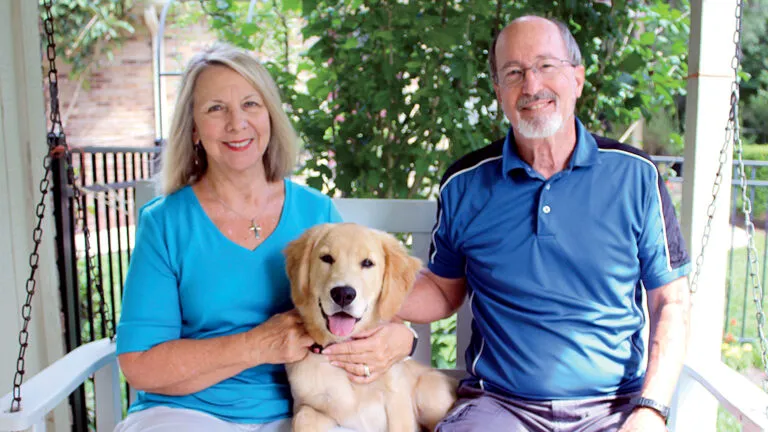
346, 279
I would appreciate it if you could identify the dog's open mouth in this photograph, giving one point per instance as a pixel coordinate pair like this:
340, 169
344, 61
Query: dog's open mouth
340, 324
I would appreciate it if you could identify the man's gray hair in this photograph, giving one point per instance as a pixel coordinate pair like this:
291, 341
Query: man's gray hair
574, 53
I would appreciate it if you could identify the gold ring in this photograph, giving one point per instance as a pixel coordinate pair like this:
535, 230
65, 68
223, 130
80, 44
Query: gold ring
366, 370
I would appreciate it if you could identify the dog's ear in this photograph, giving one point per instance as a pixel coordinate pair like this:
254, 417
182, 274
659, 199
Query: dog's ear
400, 272
297, 259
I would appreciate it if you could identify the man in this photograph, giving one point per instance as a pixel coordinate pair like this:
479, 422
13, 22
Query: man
555, 235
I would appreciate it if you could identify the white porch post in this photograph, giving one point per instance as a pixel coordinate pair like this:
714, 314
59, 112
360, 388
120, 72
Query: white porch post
22, 147
711, 49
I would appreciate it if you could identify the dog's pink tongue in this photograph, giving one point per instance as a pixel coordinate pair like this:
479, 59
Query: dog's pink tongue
341, 324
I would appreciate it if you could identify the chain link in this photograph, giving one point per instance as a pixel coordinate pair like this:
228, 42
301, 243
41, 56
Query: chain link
733, 135
752, 255
57, 147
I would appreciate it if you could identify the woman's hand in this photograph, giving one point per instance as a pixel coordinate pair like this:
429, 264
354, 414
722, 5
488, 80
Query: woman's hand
375, 350
281, 339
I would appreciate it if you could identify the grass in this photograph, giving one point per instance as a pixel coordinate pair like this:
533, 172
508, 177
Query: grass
740, 346
741, 311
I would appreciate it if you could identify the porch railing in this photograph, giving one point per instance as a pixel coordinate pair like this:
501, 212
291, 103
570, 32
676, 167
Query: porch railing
740, 309
106, 178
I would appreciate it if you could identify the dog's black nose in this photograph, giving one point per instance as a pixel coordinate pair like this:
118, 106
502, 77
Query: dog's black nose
343, 295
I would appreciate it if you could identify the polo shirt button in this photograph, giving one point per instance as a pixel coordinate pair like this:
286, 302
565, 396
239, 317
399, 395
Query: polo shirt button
548, 186
546, 209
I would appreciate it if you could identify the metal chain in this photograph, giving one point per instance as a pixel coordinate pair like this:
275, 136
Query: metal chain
746, 202
57, 147
733, 135
34, 258
723, 158
91, 267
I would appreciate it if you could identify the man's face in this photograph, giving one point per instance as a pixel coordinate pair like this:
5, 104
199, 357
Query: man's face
537, 87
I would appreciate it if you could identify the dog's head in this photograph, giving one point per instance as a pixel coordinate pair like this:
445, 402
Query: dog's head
346, 279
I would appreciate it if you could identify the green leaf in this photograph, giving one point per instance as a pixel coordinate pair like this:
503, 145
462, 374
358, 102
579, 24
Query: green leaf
248, 29
315, 183
292, 5
385, 35
308, 6
647, 38
632, 63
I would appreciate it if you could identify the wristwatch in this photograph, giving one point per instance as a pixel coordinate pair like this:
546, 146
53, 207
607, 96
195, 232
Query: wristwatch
660, 408
415, 340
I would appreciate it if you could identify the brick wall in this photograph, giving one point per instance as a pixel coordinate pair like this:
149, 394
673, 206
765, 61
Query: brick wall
116, 106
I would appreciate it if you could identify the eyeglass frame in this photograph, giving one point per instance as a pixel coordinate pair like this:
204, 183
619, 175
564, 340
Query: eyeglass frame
536, 69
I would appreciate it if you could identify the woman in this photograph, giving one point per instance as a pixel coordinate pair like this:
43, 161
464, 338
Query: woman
207, 320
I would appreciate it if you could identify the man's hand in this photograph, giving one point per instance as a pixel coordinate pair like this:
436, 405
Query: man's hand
378, 349
644, 419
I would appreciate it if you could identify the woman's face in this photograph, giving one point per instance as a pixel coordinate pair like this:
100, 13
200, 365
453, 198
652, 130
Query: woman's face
231, 120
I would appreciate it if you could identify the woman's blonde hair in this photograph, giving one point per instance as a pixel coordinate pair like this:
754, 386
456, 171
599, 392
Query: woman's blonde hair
183, 162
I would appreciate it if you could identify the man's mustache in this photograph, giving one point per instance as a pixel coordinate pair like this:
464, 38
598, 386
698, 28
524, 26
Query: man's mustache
542, 95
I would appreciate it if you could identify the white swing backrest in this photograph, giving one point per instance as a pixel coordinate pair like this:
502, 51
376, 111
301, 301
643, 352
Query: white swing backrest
416, 217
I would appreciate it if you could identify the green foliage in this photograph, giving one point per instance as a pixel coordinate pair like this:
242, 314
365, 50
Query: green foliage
111, 269
758, 195
727, 422
87, 30
740, 356
662, 134
754, 97
635, 54
741, 308
444, 343
396, 91
390, 93
263, 26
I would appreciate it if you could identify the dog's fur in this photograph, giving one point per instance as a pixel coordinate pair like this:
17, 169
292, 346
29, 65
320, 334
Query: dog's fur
380, 271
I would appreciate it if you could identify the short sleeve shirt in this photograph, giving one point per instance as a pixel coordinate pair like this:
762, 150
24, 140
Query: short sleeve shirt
555, 267
186, 280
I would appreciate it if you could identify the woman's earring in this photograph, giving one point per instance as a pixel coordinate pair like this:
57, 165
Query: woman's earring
198, 147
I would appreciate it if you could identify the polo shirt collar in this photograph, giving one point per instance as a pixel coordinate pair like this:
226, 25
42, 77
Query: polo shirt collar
585, 153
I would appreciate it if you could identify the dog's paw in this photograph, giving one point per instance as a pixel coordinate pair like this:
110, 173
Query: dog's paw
307, 419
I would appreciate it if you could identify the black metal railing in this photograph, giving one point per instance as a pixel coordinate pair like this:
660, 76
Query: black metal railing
106, 178
740, 324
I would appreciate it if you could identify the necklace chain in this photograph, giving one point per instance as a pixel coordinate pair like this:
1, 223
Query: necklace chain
255, 227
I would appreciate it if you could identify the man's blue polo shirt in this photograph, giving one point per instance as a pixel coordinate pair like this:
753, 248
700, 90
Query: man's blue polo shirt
555, 267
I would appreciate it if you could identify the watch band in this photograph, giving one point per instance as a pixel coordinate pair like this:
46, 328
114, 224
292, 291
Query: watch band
415, 340
659, 407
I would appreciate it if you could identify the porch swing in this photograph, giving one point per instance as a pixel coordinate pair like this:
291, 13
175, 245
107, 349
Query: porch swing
51, 386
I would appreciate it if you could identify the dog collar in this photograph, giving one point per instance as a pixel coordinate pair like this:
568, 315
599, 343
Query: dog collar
317, 348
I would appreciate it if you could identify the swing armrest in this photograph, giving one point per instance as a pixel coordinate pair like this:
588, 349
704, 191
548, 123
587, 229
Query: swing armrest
734, 392
48, 388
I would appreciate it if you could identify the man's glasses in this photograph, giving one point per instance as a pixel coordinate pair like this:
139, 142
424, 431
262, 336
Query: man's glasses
544, 68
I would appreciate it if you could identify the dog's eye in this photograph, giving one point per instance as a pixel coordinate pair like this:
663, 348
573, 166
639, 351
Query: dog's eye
366, 263
327, 259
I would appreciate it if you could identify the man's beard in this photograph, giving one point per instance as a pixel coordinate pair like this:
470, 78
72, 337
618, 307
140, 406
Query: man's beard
541, 127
